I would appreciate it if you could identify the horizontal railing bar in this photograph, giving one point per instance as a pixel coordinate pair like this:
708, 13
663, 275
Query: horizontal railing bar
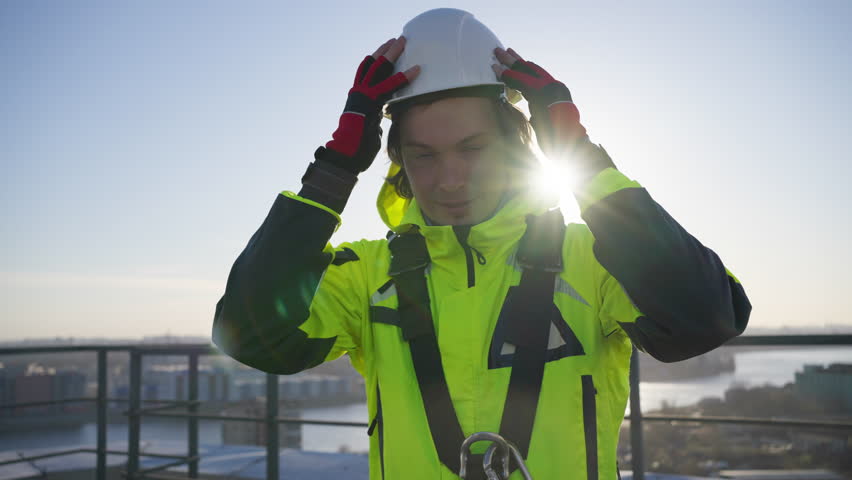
125, 400
164, 466
786, 340
64, 349
42, 456
141, 454
747, 421
202, 416
198, 348
208, 349
329, 423
175, 404
47, 402
86, 399
161, 476
175, 349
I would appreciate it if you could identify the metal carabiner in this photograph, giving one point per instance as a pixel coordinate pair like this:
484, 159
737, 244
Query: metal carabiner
503, 456
501, 448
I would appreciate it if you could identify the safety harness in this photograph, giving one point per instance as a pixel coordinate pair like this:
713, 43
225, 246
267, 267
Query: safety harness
527, 314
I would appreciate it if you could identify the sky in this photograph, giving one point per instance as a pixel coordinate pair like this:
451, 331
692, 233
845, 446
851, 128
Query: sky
142, 143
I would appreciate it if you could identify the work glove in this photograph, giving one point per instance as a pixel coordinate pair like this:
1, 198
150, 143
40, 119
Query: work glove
553, 115
357, 140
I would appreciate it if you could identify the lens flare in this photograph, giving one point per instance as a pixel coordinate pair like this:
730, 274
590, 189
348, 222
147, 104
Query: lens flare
554, 181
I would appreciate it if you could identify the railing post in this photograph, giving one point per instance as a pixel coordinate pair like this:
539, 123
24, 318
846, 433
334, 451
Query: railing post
193, 421
102, 414
271, 427
134, 420
637, 450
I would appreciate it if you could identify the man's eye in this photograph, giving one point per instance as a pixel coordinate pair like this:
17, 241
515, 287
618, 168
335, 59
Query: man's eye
424, 156
472, 148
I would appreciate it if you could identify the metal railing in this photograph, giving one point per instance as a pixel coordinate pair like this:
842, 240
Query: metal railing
636, 418
136, 411
271, 419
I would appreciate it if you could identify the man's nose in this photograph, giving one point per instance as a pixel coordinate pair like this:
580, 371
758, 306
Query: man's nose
454, 174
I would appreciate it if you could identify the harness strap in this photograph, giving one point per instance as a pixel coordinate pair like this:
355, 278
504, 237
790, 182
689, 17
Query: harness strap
540, 255
409, 259
528, 325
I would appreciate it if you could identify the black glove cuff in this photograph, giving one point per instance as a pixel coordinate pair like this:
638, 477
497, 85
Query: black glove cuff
338, 160
328, 184
591, 160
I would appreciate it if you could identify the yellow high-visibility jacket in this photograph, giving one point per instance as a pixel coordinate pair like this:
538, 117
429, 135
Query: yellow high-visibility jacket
631, 275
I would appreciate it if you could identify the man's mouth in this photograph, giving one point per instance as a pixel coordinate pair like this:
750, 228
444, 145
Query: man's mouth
459, 207
456, 204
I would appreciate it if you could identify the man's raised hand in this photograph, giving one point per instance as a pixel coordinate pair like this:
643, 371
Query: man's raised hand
357, 140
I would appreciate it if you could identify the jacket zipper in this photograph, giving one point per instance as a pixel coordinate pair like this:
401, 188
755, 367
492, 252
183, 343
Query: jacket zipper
377, 425
590, 427
462, 232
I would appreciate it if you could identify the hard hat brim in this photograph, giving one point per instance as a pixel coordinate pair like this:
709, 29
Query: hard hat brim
494, 90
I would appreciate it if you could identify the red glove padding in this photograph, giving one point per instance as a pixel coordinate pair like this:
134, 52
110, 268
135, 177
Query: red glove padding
357, 140
555, 118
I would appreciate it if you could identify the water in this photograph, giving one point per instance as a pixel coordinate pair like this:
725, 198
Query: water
754, 368
331, 439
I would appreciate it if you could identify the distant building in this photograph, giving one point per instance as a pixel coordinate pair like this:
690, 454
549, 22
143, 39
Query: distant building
828, 384
69, 384
305, 387
31, 389
39, 384
171, 382
219, 384
309, 387
255, 433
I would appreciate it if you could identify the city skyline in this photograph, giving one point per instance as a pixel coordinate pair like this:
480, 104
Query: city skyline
143, 144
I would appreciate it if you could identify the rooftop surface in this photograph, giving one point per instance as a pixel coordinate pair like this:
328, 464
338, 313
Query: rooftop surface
248, 462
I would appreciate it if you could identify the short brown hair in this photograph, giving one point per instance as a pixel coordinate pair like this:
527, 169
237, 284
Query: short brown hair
513, 124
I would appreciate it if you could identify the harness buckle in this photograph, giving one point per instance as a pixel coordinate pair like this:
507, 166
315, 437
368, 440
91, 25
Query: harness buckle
503, 450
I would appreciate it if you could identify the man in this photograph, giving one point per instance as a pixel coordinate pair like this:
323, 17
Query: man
482, 312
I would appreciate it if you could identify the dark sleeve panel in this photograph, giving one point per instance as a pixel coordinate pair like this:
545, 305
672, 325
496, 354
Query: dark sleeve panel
270, 289
690, 304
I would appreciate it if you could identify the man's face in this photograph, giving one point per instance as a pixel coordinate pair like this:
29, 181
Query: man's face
453, 156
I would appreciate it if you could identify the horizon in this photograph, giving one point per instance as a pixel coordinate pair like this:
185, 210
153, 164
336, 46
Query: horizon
143, 144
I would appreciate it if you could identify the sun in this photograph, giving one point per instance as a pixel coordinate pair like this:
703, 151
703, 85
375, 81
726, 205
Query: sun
554, 182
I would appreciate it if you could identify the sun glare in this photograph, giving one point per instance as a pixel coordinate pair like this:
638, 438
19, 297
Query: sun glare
554, 181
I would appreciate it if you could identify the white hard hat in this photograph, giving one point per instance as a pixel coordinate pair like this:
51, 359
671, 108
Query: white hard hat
453, 49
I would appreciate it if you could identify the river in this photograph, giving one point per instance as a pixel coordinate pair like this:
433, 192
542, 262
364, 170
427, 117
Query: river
753, 368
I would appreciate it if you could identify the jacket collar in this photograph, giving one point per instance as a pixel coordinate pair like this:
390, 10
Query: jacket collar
491, 238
